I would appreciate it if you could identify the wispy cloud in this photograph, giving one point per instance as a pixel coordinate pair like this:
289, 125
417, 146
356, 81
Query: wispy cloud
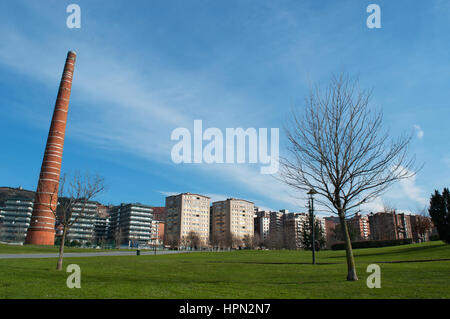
407, 190
128, 96
419, 131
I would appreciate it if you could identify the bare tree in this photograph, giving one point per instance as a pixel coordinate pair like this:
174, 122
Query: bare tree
118, 236
192, 240
76, 192
171, 240
276, 240
339, 148
19, 233
421, 227
248, 241
214, 241
223, 240
229, 240
423, 224
388, 207
257, 242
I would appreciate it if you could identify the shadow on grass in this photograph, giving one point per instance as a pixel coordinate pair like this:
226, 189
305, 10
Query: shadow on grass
392, 252
272, 263
411, 261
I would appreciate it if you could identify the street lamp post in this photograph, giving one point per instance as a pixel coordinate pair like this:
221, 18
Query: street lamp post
311, 193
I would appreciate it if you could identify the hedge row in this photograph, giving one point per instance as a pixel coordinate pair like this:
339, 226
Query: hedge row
373, 243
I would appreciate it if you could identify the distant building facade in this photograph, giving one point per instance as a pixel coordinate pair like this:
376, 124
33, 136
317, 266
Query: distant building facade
101, 224
262, 225
330, 228
298, 224
131, 224
233, 218
83, 217
389, 225
276, 227
15, 219
187, 214
157, 233
159, 213
294, 224
360, 224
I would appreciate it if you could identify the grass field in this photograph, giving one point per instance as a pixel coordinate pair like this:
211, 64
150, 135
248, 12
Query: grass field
411, 271
37, 249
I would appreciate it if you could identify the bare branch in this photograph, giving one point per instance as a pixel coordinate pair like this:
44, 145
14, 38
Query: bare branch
339, 147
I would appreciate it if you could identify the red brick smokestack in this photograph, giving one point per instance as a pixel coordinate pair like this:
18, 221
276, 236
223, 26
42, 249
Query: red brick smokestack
42, 225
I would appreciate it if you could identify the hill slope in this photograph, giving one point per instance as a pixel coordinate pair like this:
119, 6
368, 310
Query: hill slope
8, 192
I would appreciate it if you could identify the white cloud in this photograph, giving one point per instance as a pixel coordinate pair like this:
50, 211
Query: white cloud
374, 206
412, 191
419, 131
406, 194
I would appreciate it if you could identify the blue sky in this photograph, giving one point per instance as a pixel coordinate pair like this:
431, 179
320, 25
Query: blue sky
145, 68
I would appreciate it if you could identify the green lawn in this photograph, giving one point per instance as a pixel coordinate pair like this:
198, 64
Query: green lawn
37, 249
238, 274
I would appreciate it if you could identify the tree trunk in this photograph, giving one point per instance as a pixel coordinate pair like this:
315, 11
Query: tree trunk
61, 250
351, 275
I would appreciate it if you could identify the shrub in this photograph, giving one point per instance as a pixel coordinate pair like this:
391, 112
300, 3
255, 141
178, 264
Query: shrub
435, 237
75, 243
373, 243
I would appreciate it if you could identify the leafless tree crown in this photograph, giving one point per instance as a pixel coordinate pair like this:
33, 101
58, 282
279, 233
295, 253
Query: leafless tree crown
80, 189
339, 147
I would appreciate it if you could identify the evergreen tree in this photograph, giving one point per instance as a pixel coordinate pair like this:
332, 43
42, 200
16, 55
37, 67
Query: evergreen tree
306, 235
440, 213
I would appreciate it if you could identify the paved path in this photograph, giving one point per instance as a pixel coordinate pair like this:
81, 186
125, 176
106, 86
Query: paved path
99, 254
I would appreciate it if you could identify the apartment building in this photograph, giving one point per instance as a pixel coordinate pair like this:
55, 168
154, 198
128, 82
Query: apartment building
294, 224
262, 225
330, 227
101, 224
389, 225
232, 216
159, 213
83, 216
15, 219
187, 214
131, 224
157, 233
403, 224
361, 224
294, 227
276, 223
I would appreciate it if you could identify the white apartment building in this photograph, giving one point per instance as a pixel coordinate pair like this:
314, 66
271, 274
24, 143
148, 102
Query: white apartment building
233, 216
15, 219
262, 225
187, 213
293, 227
131, 224
83, 216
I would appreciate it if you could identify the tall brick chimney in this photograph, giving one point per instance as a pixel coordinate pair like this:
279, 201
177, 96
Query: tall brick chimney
42, 224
